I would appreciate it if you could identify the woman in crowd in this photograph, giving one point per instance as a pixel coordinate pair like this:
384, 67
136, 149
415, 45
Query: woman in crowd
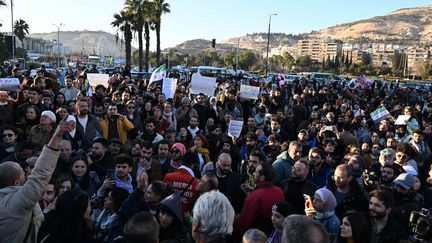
184, 136
63, 183
9, 142
62, 112
354, 229
161, 124
32, 117
84, 179
201, 147
69, 222
170, 218
156, 191
42, 133
279, 212
133, 115
168, 116
59, 100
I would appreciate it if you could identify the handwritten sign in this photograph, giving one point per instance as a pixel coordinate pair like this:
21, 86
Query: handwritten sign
235, 128
98, 78
250, 92
9, 84
379, 114
169, 87
402, 120
202, 84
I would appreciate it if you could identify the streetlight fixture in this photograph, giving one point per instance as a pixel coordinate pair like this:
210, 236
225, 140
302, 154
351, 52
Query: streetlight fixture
58, 42
13, 33
268, 43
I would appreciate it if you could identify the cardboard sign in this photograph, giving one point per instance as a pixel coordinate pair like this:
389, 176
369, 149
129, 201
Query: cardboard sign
402, 120
379, 114
98, 78
9, 84
234, 128
169, 86
250, 92
202, 84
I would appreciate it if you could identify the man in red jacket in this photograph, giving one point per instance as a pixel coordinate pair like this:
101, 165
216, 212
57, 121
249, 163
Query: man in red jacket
184, 182
257, 209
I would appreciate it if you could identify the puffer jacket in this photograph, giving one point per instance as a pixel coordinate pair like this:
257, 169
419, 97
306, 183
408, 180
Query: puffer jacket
19, 204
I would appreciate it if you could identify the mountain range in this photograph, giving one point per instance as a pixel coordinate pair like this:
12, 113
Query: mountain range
410, 26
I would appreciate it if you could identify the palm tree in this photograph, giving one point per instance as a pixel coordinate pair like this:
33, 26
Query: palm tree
2, 3
138, 10
159, 7
21, 29
123, 23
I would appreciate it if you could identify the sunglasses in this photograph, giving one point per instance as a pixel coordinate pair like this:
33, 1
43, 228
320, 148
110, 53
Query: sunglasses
8, 135
175, 151
131, 107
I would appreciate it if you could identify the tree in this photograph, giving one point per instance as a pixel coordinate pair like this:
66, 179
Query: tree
288, 60
247, 59
123, 23
366, 58
304, 61
21, 29
159, 7
427, 70
137, 10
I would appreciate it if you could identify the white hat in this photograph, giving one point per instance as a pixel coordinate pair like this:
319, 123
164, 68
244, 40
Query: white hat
70, 118
49, 114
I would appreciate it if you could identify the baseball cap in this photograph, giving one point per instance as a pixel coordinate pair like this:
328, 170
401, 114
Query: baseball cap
405, 180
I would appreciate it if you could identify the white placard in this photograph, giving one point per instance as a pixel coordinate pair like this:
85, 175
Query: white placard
402, 120
234, 128
9, 84
250, 92
202, 84
98, 78
169, 86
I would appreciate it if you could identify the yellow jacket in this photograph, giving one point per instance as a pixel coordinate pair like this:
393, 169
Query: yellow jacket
122, 127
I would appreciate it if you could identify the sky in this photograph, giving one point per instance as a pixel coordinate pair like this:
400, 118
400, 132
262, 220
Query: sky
193, 19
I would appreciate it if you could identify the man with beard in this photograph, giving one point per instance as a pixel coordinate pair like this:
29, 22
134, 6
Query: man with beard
319, 172
297, 186
88, 125
170, 136
248, 168
102, 161
145, 162
229, 182
420, 146
150, 133
114, 147
99, 95
201, 109
286, 160
69, 91
388, 174
275, 129
384, 228
250, 145
63, 164
404, 202
402, 134
175, 158
162, 153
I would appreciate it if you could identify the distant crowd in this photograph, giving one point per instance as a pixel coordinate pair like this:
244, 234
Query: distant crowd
121, 162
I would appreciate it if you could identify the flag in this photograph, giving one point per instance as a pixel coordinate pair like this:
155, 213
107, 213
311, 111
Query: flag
158, 74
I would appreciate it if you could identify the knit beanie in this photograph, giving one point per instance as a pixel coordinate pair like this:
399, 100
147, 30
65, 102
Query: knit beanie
49, 114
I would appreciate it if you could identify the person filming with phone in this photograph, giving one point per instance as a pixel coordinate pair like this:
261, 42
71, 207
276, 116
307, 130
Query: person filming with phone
114, 125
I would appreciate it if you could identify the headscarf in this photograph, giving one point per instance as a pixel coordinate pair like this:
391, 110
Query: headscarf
328, 199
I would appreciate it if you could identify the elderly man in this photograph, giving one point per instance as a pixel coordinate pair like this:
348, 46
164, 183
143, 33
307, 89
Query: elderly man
285, 161
21, 214
213, 218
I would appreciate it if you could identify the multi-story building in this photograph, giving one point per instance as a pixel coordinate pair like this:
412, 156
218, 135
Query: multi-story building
318, 49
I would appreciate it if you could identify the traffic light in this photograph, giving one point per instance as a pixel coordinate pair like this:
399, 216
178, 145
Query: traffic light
214, 43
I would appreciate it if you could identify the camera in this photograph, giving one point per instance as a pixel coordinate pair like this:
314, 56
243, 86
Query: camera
370, 177
420, 223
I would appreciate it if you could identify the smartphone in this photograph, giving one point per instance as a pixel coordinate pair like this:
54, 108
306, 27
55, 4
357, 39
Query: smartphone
111, 175
328, 128
308, 201
115, 116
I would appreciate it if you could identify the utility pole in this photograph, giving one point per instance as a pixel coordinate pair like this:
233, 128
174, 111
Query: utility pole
58, 43
13, 32
237, 54
268, 44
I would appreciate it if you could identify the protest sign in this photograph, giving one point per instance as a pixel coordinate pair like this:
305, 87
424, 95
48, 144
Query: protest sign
379, 114
402, 120
98, 78
169, 87
202, 84
250, 92
9, 84
235, 128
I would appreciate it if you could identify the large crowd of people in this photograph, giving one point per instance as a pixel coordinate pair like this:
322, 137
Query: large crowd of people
124, 163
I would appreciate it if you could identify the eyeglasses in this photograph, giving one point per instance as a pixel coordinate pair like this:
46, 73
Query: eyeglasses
8, 135
131, 107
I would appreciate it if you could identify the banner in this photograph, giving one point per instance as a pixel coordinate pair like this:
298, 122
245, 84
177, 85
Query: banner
234, 128
98, 78
250, 92
379, 114
169, 86
202, 84
402, 120
9, 84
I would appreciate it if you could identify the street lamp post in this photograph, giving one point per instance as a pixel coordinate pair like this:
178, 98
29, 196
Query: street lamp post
58, 43
13, 32
268, 43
